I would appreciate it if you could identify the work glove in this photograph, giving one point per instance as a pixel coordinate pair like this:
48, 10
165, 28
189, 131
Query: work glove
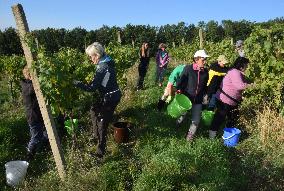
168, 100
178, 91
205, 100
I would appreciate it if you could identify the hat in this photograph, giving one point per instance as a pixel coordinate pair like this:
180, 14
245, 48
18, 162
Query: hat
222, 58
200, 53
239, 43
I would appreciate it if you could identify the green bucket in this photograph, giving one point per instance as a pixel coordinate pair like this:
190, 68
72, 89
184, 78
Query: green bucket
179, 106
207, 117
68, 126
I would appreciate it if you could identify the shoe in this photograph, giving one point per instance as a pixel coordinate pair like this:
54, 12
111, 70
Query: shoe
189, 136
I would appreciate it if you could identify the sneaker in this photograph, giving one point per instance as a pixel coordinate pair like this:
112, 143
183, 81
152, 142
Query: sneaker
189, 136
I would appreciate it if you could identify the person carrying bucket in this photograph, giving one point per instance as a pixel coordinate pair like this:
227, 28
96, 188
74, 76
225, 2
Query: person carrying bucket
192, 83
171, 86
229, 96
217, 71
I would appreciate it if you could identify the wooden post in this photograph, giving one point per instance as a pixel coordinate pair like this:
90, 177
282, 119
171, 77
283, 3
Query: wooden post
182, 41
118, 37
23, 29
201, 39
232, 41
133, 43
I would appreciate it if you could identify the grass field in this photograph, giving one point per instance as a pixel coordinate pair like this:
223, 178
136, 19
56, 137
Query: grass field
157, 156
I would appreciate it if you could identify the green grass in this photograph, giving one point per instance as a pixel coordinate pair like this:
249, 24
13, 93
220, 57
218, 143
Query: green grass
157, 156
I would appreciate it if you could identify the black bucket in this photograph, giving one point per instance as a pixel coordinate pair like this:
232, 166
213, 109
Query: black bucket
121, 132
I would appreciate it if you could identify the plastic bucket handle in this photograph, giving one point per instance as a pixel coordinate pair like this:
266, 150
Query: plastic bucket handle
225, 138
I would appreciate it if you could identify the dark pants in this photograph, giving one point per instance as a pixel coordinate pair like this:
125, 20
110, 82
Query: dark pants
101, 115
142, 73
38, 136
224, 110
160, 74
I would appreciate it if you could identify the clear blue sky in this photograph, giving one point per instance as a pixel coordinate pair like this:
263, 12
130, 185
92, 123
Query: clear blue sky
93, 14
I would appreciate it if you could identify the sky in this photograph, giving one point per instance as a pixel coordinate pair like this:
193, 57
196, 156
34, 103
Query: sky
93, 14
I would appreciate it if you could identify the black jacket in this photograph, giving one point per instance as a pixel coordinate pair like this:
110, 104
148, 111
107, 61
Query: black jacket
33, 113
104, 81
192, 83
144, 61
216, 75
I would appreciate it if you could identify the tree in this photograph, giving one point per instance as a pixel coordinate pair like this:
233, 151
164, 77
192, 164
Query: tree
76, 38
10, 42
214, 32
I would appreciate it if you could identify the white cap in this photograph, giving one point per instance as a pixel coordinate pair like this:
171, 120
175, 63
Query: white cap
200, 53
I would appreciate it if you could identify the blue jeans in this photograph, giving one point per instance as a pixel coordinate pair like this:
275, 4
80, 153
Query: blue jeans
212, 102
160, 74
37, 136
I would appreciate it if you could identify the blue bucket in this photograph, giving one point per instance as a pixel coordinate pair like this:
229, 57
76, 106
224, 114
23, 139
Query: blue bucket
231, 136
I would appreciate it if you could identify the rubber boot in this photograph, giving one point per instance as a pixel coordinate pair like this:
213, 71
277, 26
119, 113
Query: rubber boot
191, 132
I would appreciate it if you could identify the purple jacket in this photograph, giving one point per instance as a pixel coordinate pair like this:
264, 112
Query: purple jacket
162, 58
233, 85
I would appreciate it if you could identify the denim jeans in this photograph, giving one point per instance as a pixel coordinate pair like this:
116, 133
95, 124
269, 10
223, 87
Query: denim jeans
212, 102
160, 74
38, 136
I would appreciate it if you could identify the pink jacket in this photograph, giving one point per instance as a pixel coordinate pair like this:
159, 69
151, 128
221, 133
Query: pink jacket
233, 85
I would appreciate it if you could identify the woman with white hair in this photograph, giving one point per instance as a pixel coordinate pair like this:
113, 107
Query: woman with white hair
106, 83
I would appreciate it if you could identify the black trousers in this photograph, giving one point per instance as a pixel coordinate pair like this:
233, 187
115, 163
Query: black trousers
101, 116
142, 70
224, 111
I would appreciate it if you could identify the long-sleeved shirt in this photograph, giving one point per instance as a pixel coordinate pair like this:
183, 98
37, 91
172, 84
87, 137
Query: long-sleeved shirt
175, 75
33, 113
193, 82
104, 81
162, 58
233, 85
216, 74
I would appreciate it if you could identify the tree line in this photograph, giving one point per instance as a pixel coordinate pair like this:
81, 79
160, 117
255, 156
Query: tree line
173, 35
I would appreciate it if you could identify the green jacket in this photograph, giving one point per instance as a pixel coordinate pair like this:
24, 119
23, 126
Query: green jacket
176, 74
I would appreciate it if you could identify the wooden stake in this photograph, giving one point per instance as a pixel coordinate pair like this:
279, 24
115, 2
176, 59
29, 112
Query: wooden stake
201, 39
118, 37
23, 28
